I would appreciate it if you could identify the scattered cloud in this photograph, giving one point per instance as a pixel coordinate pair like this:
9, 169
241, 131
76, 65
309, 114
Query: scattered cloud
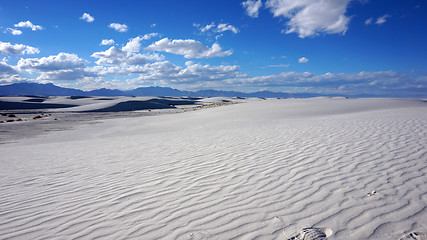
212, 27
252, 7
29, 24
105, 42
148, 36
116, 56
207, 27
303, 60
311, 17
277, 66
87, 17
168, 73
118, 27
64, 66
14, 31
382, 82
52, 63
368, 21
227, 27
189, 48
382, 19
6, 69
134, 44
153, 25
6, 48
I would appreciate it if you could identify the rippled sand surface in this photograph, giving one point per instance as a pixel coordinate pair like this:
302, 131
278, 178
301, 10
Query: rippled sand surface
264, 169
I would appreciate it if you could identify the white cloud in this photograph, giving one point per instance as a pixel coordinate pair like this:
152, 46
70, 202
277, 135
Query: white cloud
386, 83
226, 27
62, 61
118, 27
87, 17
112, 56
7, 48
29, 24
6, 69
153, 25
252, 7
105, 42
303, 60
382, 19
189, 48
134, 44
368, 21
148, 36
198, 72
67, 74
169, 73
278, 66
222, 27
311, 17
64, 66
207, 27
14, 31
116, 56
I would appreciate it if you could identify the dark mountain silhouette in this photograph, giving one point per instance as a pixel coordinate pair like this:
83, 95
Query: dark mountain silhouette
20, 89
36, 89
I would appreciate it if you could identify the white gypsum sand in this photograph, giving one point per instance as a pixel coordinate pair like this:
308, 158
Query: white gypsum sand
353, 168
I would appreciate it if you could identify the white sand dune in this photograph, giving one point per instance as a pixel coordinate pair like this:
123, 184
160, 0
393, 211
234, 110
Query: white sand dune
94, 104
266, 169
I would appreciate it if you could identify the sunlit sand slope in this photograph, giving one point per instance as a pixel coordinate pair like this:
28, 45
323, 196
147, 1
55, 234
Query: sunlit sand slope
274, 169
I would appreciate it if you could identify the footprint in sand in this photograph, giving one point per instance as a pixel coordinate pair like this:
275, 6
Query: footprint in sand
312, 233
414, 236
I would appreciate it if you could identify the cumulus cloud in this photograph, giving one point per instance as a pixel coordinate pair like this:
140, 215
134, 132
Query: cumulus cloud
311, 17
6, 48
87, 17
194, 71
368, 21
117, 56
382, 19
106, 42
118, 27
384, 83
148, 36
67, 74
134, 44
14, 31
6, 69
212, 27
252, 7
169, 73
303, 60
189, 48
28, 24
61, 61
64, 66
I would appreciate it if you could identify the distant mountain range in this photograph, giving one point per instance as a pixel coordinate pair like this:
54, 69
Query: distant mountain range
48, 89
26, 88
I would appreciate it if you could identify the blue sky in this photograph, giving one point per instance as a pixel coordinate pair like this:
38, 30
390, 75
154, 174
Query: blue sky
333, 46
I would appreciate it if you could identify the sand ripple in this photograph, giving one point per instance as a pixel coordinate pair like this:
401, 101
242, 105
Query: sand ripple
200, 175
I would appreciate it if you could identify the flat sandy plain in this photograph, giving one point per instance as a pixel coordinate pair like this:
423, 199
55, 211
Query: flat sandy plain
319, 168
